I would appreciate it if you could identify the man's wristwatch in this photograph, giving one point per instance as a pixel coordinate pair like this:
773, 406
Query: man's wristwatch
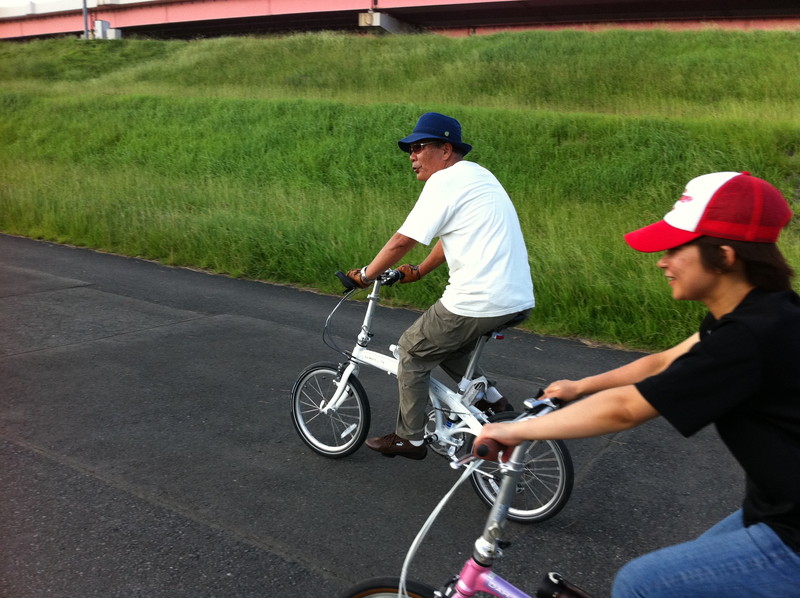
364, 278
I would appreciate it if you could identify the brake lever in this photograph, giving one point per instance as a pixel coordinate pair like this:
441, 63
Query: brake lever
390, 277
546, 404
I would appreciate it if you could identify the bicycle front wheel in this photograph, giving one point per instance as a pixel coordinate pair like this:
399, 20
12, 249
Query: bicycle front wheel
544, 487
337, 433
388, 587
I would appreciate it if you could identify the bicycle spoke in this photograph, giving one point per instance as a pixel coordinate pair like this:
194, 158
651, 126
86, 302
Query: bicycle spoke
544, 486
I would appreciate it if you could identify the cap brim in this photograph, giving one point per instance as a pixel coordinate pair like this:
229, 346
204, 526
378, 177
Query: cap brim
659, 236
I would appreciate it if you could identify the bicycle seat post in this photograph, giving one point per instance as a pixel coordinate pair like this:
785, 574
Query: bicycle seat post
469, 373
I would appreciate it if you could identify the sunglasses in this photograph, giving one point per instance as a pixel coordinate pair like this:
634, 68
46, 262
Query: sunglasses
414, 148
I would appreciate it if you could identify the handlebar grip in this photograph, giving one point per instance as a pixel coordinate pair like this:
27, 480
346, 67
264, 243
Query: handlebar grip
488, 450
346, 282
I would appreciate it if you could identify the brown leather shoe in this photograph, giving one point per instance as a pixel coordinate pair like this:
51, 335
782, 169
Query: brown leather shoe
500, 406
392, 445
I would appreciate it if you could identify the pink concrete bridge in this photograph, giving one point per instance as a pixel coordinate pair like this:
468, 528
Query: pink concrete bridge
21, 19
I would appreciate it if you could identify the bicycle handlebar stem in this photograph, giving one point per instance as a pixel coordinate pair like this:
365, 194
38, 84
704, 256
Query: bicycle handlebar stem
373, 298
488, 546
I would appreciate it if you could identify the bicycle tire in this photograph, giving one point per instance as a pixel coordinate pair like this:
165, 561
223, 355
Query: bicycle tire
337, 434
545, 485
388, 587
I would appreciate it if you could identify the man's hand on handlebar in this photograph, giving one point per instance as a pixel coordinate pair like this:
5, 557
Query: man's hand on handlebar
356, 279
359, 278
410, 273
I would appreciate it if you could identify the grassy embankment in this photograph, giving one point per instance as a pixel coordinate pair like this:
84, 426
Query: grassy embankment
276, 158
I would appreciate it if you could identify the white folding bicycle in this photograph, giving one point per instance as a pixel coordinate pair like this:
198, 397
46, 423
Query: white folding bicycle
331, 413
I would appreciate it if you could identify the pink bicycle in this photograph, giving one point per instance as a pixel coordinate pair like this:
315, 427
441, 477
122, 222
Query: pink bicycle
476, 576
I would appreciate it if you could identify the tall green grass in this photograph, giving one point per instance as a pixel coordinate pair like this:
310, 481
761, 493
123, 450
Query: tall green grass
695, 74
276, 158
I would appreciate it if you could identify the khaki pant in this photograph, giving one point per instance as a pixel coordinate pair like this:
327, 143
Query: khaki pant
438, 338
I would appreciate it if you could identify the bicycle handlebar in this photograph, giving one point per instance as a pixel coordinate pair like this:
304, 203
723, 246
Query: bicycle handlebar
387, 278
390, 277
345, 280
489, 450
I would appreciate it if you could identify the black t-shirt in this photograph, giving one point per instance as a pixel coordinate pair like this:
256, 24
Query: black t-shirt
744, 376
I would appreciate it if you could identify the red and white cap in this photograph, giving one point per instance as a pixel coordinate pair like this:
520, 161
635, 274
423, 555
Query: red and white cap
728, 205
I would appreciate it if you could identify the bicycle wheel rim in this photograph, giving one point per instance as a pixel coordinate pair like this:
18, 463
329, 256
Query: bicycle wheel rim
335, 434
388, 587
544, 487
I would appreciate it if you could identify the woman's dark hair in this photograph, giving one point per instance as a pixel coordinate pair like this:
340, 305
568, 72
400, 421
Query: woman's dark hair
764, 264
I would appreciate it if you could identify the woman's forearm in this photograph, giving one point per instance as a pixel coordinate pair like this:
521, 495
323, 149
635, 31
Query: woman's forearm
606, 412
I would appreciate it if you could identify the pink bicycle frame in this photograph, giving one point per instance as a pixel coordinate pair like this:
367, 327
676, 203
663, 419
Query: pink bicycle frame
476, 578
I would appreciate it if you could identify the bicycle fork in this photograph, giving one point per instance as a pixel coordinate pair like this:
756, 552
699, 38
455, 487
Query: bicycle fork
341, 389
360, 355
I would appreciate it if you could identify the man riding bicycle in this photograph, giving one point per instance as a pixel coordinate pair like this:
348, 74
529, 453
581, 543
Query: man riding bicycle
480, 239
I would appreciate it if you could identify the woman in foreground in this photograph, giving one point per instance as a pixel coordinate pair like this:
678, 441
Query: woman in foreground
741, 372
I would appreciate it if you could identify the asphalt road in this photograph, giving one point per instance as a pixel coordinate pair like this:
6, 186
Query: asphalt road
147, 449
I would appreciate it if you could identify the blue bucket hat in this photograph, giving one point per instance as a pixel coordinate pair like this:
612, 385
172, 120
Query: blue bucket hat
433, 125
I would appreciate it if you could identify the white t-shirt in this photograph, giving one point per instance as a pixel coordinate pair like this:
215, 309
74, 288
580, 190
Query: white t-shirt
468, 209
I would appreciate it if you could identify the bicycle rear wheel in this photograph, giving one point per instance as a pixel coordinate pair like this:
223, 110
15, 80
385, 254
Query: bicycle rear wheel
388, 587
337, 433
544, 487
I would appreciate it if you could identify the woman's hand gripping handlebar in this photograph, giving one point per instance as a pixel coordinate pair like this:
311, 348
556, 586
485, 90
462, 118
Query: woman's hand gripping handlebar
490, 449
